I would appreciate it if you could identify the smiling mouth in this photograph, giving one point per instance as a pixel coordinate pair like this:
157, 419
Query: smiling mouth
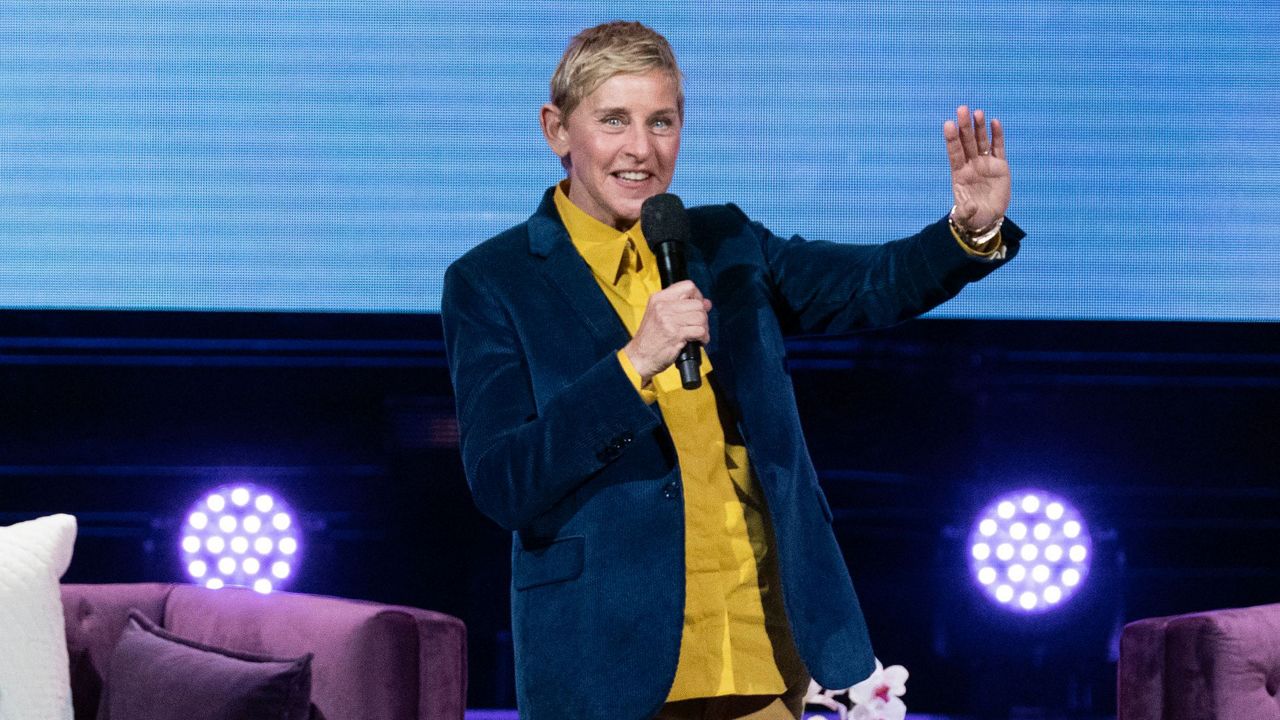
632, 176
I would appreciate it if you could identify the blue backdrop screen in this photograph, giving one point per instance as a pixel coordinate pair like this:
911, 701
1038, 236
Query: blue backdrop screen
336, 156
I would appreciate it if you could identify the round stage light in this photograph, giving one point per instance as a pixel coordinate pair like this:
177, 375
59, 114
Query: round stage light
227, 541
1042, 551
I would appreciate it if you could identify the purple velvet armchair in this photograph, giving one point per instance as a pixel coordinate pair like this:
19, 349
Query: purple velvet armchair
1216, 665
372, 661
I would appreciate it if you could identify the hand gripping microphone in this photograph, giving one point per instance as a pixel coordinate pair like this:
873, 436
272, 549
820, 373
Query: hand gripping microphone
666, 226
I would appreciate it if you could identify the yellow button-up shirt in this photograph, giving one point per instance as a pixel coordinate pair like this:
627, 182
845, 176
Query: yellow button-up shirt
735, 639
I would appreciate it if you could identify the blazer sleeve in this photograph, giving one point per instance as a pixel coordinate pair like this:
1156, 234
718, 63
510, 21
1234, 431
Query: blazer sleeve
522, 457
824, 287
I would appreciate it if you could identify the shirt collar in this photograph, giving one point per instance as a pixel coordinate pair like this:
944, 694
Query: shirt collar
599, 244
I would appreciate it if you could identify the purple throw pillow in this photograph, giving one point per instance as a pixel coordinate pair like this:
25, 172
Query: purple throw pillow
156, 675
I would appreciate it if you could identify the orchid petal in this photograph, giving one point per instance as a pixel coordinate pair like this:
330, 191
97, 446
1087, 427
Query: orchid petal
863, 712
864, 691
895, 709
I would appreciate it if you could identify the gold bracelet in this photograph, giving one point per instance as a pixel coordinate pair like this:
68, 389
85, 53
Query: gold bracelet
976, 239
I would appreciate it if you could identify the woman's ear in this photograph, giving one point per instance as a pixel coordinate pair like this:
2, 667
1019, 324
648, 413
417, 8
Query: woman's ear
554, 130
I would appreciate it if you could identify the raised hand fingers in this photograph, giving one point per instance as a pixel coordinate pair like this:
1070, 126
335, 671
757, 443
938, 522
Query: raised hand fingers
968, 139
997, 138
980, 132
964, 142
979, 172
955, 151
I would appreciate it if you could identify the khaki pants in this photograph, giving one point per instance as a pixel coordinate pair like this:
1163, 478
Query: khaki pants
787, 706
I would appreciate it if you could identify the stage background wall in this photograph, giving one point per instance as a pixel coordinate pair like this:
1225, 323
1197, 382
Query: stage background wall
336, 156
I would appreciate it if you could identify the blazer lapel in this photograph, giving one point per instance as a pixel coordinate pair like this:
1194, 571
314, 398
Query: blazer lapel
570, 277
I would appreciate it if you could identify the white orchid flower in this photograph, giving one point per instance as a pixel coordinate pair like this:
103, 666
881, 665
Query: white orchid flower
878, 710
876, 698
884, 684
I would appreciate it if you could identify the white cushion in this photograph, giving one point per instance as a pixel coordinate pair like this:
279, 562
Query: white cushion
35, 683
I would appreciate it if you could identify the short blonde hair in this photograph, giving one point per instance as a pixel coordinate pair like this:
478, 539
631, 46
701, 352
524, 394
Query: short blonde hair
614, 48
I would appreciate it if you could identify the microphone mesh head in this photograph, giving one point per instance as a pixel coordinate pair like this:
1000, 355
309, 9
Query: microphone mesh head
663, 219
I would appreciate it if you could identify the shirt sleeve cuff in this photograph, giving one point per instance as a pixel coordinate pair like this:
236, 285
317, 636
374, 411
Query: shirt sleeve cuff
646, 391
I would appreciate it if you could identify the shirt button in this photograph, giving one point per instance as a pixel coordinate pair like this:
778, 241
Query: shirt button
669, 491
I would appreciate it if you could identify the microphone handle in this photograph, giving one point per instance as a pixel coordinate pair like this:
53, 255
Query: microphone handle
690, 363
672, 269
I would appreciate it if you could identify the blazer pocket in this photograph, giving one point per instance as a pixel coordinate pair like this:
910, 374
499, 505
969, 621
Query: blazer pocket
822, 503
558, 561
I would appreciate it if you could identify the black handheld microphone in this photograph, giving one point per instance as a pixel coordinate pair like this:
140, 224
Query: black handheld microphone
666, 226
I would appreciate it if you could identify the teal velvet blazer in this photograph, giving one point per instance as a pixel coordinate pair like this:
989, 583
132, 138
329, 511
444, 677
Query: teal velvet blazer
559, 449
